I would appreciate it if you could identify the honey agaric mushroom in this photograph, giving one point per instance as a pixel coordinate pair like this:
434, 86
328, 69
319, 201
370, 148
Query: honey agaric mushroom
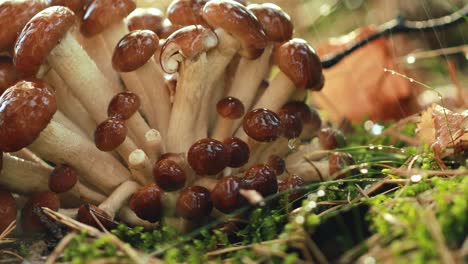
186, 12
146, 18
331, 138
229, 109
30, 220
300, 67
277, 163
146, 203
62, 179
133, 54
194, 203
239, 152
208, 157
261, 178
292, 123
226, 196
262, 125
291, 183
25, 112
250, 73
171, 172
310, 118
7, 209
8, 74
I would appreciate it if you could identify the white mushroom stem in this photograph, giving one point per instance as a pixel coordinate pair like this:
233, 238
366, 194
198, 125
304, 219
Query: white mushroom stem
60, 145
28, 155
70, 105
311, 151
140, 167
311, 170
224, 128
155, 145
88, 83
279, 92
119, 197
128, 216
60, 118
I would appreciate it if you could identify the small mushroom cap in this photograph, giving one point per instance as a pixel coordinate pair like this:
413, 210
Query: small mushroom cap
84, 216
25, 110
186, 12
110, 134
169, 173
40, 35
7, 209
62, 179
167, 29
331, 138
262, 125
186, 43
292, 182
146, 203
208, 156
146, 18
8, 74
103, 13
226, 195
194, 203
134, 50
123, 105
262, 178
31, 221
238, 21
275, 22
277, 163
77, 6
299, 61
338, 163
292, 124
230, 108
239, 152
309, 116
14, 14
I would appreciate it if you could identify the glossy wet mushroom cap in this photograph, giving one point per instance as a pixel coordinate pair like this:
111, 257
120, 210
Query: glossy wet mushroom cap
309, 116
239, 152
292, 124
186, 12
110, 134
14, 15
85, 216
277, 163
230, 108
275, 22
8, 73
169, 173
77, 6
101, 14
123, 105
63, 178
290, 183
146, 18
30, 220
146, 203
39, 37
25, 110
262, 178
7, 209
299, 61
262, 125
194, 203
134, 50
238, 21
331, 138
226, 195
167, 29
339, 163
208, 156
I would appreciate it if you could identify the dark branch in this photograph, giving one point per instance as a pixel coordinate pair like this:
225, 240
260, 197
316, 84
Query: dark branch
400, 25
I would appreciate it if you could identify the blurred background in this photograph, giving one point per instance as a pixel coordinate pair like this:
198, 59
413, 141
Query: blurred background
359, 88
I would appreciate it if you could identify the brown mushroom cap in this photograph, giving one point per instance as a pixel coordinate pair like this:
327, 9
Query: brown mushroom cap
77, 6
293, 182
7, 209
40, 35
309, 116
167, 29
239, 152
25, 110
262, 178
226, 195
169, 173
84, 216
299, 61
194, 203
339, 161
186, 43
277, 163
30, 220
186, 12
103, 13
1, 161
275, 22
146, 18
230, 108
110, 134
238, 21
146, 203
8, 74
262, 125
123, 105
208, 157
134, 50
331, 138
14, 14
292, 124
62, 179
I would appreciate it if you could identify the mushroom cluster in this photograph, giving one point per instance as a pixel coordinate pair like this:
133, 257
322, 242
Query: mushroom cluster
147, 116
